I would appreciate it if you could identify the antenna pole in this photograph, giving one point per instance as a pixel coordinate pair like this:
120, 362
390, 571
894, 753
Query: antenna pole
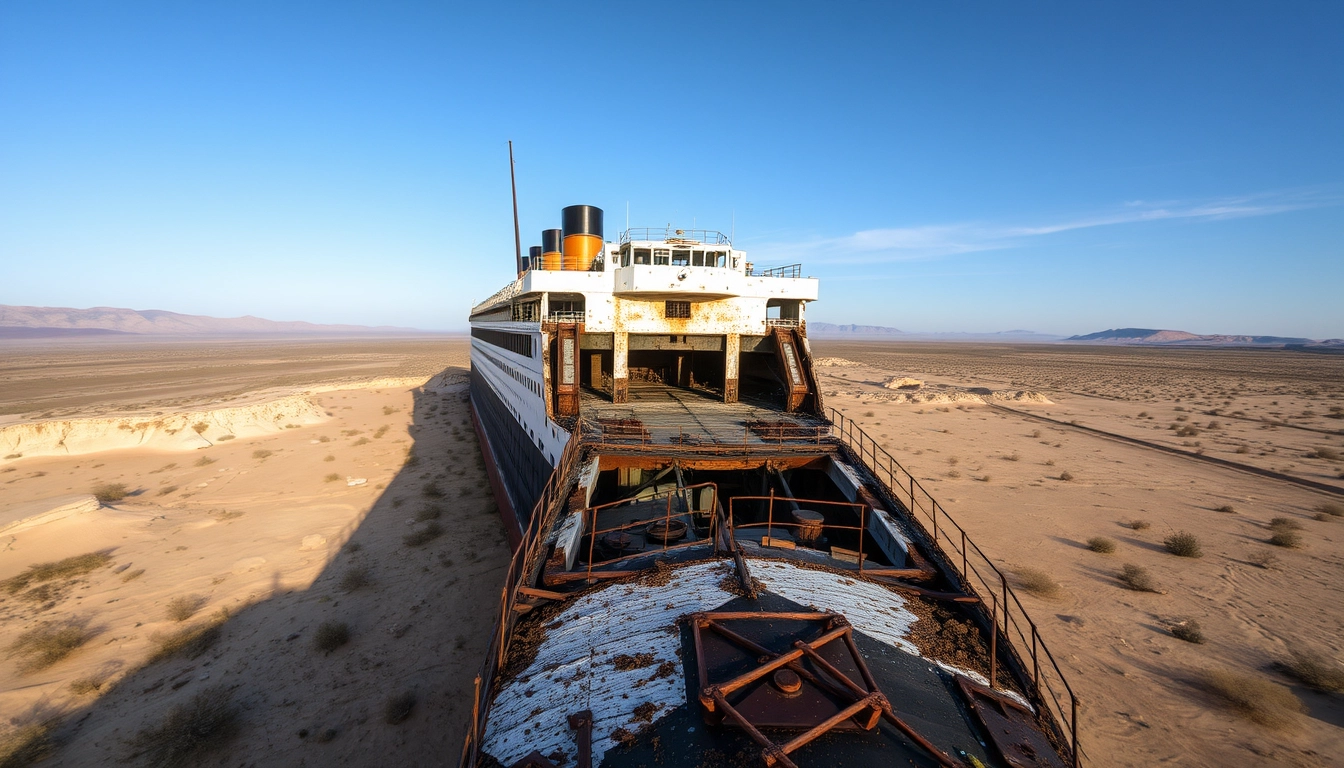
517, 238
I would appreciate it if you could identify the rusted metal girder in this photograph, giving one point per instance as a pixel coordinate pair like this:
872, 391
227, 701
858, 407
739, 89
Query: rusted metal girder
661, 459
582, 723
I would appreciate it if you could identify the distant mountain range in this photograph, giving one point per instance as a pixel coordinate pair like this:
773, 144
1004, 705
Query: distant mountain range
831, 330
58, 322
1165, 338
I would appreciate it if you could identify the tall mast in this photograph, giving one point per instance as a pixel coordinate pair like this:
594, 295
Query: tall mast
517, 238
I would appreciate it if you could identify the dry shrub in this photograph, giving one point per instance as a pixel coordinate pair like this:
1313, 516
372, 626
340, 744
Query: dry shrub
1226, 508
1187, 431
222, 438
388, 410
1284, 524
110, 492
331, 635
1243, 449
187, 642
1286, 539
333, 477
424, 535
329, 457
431, 512
26, 745
200, 427
1101, 544
432, 491
85, 685
262, 453
1189, 631
167, 489
1066, 476
954, 474
1329, 454
398, 708
1264, 559
1254, 698
183, 607
1322, 517
69, 568
1139, 525
1137, 578
1014, 456
1315, 671
355, 578
205, 461
1037, 582
361, 441
133, 575
381, 431
48, 643
1183, 544
189, 731
1332, 508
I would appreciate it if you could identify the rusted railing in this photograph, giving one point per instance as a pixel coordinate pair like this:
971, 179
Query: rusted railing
788, 270
666, 517
858, 508
664, 234
980, 577
498, 649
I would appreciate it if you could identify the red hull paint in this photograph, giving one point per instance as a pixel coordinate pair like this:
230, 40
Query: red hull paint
512, 525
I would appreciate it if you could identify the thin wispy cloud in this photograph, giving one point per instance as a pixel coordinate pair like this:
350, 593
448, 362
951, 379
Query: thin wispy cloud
891, 244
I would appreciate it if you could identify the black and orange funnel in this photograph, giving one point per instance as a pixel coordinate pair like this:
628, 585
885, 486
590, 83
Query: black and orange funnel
582, 236
551, 249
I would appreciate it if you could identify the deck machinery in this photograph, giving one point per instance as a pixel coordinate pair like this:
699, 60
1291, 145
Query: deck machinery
710, 567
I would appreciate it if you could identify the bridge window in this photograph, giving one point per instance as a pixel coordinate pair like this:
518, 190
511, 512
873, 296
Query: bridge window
677, 309
681, 257
662, 256
642, 256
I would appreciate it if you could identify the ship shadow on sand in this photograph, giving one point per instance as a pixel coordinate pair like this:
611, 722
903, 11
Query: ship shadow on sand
414, 584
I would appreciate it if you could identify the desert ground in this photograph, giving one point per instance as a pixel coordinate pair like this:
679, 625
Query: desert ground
332, 581
1145, 696
248, 570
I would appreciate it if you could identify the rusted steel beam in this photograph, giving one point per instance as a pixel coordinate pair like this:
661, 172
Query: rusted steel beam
797, 668
839, 717
772, 754
545, 594
582, 722
565, 576
795, 616
777, 662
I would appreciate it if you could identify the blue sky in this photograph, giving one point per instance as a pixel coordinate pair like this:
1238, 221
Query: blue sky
1058, 167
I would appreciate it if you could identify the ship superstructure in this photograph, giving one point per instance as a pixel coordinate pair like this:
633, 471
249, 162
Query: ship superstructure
710, 567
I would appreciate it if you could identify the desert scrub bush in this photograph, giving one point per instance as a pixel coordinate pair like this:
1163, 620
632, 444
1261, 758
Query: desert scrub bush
388, 410
1284, 524
432, 512
381, 431
1137, 578
954, 474
331, 635
187, 642
222, 438
398, 708
1189, 631
85, 685
1037, 582
953, 461
1183, 544
1315, 670
361, 441
1101, 544
1286, 538
69, 568
329, 457
1014, 456
333, 477
1322, 517
189, 731
167, 489
132, 575
110, 492
1138, 525
432, 491
262, 453
423, 536
1329, 454
14, 456
1243, 449
1258, 700
1332, 508
27, 745
183, 607
1187, 431
1226, 508
355, 578
205, 461
1066, 476
1263, 559
48, 643
200, 427
869, 414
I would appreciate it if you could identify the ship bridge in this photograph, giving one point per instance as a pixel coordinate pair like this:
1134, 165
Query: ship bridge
636, 328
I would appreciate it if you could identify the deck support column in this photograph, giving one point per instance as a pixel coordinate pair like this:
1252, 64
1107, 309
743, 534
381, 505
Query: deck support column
732, 356
620, 354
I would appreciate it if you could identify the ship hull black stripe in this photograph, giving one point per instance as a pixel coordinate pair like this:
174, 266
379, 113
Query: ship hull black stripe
522, 467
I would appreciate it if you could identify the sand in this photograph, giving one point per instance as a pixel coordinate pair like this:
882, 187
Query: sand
269, 539
262, 541
997, 473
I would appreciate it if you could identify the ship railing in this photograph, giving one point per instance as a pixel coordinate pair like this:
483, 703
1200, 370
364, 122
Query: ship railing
788, 270
675, 236
1013, 632
593, 532
708, 435
497, 652
783, 322
568, 316
507, 292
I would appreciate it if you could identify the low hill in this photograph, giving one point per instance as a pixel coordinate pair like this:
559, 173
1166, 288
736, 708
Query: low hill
833, 331
1154, 337
50, 322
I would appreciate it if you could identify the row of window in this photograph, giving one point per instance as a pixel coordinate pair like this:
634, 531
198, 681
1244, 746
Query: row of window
518, 376
675, 257
518, 343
